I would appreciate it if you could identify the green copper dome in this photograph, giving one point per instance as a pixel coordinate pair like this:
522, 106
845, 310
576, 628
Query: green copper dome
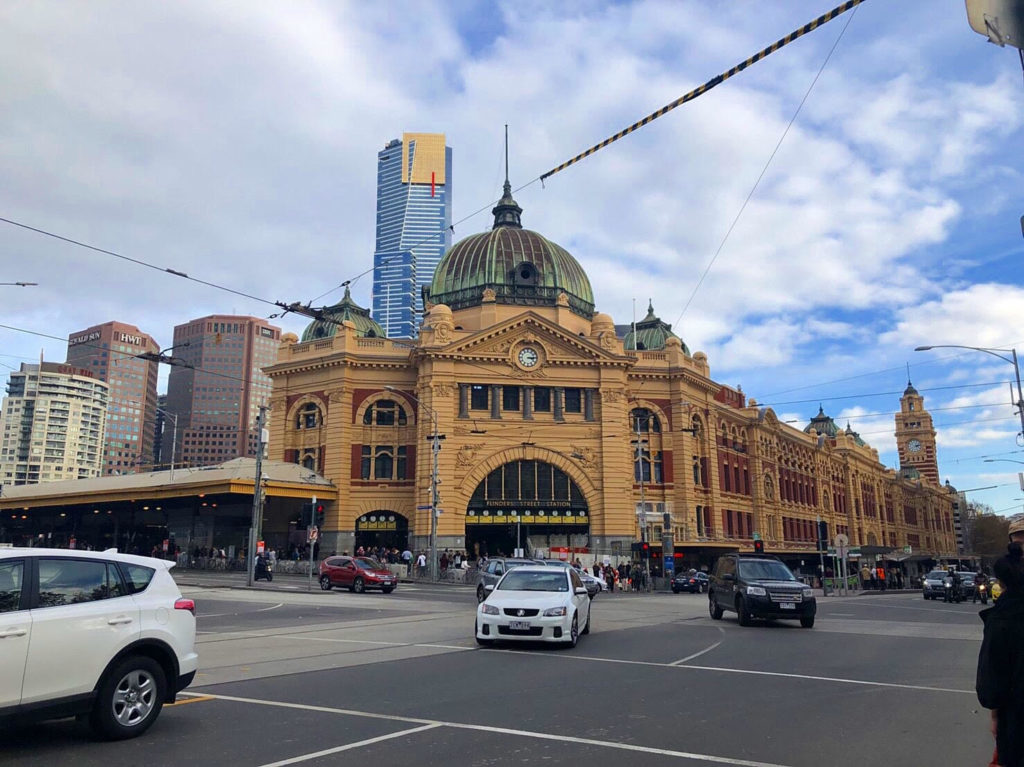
520, 266
345, 309
651, 334
822, 424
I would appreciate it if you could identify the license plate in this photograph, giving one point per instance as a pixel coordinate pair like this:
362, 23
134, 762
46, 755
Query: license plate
519, 625
787, 605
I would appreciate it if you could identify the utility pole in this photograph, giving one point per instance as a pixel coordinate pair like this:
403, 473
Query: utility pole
643, 503
257, 495
435, 497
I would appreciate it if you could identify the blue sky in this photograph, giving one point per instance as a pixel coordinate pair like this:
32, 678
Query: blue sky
237, 142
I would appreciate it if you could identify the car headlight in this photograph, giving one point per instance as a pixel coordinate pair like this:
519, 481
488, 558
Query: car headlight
553, 612
489, 609
757, 591
808, 594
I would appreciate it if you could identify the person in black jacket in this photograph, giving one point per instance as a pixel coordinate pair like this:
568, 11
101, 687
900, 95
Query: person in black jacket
1000, 681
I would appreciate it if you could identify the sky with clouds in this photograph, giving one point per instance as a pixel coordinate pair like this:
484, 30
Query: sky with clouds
237, 142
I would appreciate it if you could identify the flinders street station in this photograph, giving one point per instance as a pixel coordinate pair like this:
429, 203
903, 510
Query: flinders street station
559, 431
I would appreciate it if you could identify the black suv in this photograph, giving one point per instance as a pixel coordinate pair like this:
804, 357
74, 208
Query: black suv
759, 586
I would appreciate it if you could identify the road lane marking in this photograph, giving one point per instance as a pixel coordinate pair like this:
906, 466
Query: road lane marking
350, 746
696, 654
244, 612
380, 642
265, 609
189, 699
752, 672
434, 723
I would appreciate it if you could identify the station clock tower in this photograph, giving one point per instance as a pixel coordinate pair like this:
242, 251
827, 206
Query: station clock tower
915, 436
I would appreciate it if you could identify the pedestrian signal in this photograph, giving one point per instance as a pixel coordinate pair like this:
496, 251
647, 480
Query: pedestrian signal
759, 547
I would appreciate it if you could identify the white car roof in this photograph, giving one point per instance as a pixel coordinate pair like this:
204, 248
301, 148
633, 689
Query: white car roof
114, 554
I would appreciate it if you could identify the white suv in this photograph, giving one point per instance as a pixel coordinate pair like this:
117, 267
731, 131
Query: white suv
97, 633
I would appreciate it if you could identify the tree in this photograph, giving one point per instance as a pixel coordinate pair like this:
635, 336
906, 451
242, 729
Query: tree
989, 532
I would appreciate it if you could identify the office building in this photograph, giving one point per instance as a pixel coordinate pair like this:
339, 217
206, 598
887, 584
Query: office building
216, 389
110, 351
51, 425
414, 217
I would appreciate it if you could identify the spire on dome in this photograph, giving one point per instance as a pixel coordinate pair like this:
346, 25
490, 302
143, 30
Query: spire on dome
507, 212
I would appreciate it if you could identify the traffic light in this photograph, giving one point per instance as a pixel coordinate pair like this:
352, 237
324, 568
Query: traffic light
641, 550
306, 515
759, 547
822, 535
319, 515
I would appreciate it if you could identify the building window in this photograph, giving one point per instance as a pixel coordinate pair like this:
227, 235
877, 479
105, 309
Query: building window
542, 399
386, 461
478, 397
574, 400
643, 420
649, 467
510, 398
308, 417
386, 412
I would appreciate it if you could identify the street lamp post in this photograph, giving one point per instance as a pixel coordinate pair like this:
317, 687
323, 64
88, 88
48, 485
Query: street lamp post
174, 436
435, 498
1012, 359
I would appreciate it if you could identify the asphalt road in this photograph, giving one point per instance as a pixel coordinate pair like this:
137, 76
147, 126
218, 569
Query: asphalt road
323, 678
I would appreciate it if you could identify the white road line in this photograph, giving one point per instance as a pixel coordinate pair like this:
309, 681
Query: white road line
369, 642
265, 609
696, 654
350, 746
433, 723
752, 672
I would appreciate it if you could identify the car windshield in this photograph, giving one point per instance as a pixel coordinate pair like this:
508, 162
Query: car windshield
936, 575
764, 570
534, 581
369, 564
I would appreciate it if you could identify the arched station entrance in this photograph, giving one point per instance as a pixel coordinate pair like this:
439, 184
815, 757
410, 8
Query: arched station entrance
529, 503
382, 528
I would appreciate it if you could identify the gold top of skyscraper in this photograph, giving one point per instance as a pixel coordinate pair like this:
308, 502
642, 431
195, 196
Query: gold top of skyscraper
428, 159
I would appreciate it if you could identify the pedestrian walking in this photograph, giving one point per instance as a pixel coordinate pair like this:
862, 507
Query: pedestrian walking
1000, 679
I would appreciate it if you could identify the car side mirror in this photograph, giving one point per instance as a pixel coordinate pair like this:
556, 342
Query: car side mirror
581, 590
728, 577
489, 587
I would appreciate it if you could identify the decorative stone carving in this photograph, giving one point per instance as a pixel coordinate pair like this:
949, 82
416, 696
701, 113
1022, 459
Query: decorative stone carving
444, 390
489, 296
467, 456
585, 456
769, 488
608, 341
443, 332
563, 299
613, 396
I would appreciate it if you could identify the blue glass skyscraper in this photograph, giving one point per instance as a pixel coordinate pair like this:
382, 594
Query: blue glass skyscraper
414, 218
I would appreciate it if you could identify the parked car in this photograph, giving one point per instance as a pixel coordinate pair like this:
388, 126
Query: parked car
534, 603
493, 569
759, 586
97, 634
694, 583
594, 585
356, 574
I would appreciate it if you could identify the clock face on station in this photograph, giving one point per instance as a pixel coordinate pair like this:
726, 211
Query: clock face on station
914, 446
528, 357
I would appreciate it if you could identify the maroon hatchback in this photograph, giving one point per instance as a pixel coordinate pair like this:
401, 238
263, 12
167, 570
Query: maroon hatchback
356, 574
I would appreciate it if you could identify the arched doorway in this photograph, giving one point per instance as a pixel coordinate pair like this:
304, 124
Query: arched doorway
382, 528
527, 504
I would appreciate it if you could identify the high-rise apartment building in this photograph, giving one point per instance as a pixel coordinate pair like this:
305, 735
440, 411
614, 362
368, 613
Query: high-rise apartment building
110, 351
414, 218
216, 390
51, 425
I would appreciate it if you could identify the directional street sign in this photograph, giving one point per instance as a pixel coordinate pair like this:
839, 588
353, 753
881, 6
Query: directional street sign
842, 543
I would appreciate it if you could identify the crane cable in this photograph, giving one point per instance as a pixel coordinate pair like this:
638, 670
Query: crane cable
717, 80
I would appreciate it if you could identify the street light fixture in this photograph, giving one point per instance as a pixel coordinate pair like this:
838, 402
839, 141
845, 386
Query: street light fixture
1012, 359
435, 448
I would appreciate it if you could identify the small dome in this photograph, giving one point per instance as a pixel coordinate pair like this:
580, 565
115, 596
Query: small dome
289, 338
513, 265
348, 313
910, 389
856, 437
651, 334
822, 424
440, 310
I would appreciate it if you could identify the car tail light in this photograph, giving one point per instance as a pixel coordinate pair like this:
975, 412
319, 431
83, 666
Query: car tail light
185, 604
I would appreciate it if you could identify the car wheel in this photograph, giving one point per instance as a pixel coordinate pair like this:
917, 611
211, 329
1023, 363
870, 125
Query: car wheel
586, 626
480, 640
714, 609
387, 589
574, 632
480, 593
129, 698
325, 582
358, 586
807, 621
744, 614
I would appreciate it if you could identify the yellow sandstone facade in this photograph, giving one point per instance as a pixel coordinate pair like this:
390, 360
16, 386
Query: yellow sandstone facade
556, 428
